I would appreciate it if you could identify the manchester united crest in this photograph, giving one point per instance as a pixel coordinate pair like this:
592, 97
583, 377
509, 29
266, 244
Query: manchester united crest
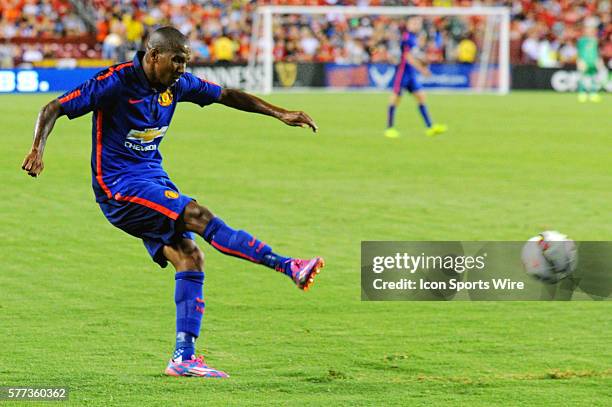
171, 194
165, 98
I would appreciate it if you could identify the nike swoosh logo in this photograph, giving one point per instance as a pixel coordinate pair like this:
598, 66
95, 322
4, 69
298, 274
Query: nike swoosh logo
134, 101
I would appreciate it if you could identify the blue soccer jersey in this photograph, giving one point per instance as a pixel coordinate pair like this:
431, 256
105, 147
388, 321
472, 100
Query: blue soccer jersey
406, 74
130, 119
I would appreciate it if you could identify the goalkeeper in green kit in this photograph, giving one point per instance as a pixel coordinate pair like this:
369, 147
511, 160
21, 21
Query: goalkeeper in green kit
588, 64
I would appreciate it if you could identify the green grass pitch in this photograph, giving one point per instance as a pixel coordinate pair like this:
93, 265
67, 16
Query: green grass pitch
81, 304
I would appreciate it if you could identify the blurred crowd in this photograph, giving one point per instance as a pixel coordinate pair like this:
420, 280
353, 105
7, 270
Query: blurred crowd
374, 39
543, 32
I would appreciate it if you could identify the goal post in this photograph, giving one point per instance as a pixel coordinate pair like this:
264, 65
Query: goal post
490, 72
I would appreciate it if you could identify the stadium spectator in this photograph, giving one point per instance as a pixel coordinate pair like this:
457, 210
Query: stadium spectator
224, 49
32, 54
567, 53
6, 55
530, 47
547, 53
199, 48
134, 31
466, 50
309, 44
356, 53
111, 46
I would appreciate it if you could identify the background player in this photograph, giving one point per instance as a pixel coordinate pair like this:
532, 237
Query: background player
588, 65
406, 78
133, 104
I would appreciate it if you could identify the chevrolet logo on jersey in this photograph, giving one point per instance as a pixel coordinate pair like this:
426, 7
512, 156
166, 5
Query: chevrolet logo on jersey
147, 135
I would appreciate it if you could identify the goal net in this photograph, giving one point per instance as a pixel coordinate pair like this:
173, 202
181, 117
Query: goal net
341, 47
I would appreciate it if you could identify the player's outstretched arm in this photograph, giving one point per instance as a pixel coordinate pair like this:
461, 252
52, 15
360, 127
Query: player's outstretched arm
33, 162
246, 102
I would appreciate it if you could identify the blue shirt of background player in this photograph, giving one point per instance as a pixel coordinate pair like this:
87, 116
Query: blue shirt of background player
130, 120
409, 41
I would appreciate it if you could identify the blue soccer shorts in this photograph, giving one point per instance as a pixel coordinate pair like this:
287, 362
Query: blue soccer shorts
148, 209
405, 80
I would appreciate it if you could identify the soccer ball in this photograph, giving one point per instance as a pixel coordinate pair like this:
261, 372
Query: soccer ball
549, 256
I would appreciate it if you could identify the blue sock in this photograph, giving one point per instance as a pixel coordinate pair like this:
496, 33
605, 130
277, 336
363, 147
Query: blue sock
425, 114
241, 244
185, 346
390, 116
189, 300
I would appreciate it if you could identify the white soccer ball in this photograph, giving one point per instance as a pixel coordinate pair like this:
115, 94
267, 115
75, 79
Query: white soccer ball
550, 256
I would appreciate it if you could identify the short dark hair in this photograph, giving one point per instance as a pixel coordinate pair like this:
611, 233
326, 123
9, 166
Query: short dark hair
166, 39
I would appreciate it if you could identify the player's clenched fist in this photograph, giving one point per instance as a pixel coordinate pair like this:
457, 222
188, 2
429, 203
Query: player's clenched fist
33, 163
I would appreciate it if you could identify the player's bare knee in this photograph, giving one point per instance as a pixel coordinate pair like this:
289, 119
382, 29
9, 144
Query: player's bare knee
196, 217
195, 212
195, 255
185, 255
191, 254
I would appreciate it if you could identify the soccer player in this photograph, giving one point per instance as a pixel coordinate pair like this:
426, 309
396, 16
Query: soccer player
588, 65
406, 77
133, 104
